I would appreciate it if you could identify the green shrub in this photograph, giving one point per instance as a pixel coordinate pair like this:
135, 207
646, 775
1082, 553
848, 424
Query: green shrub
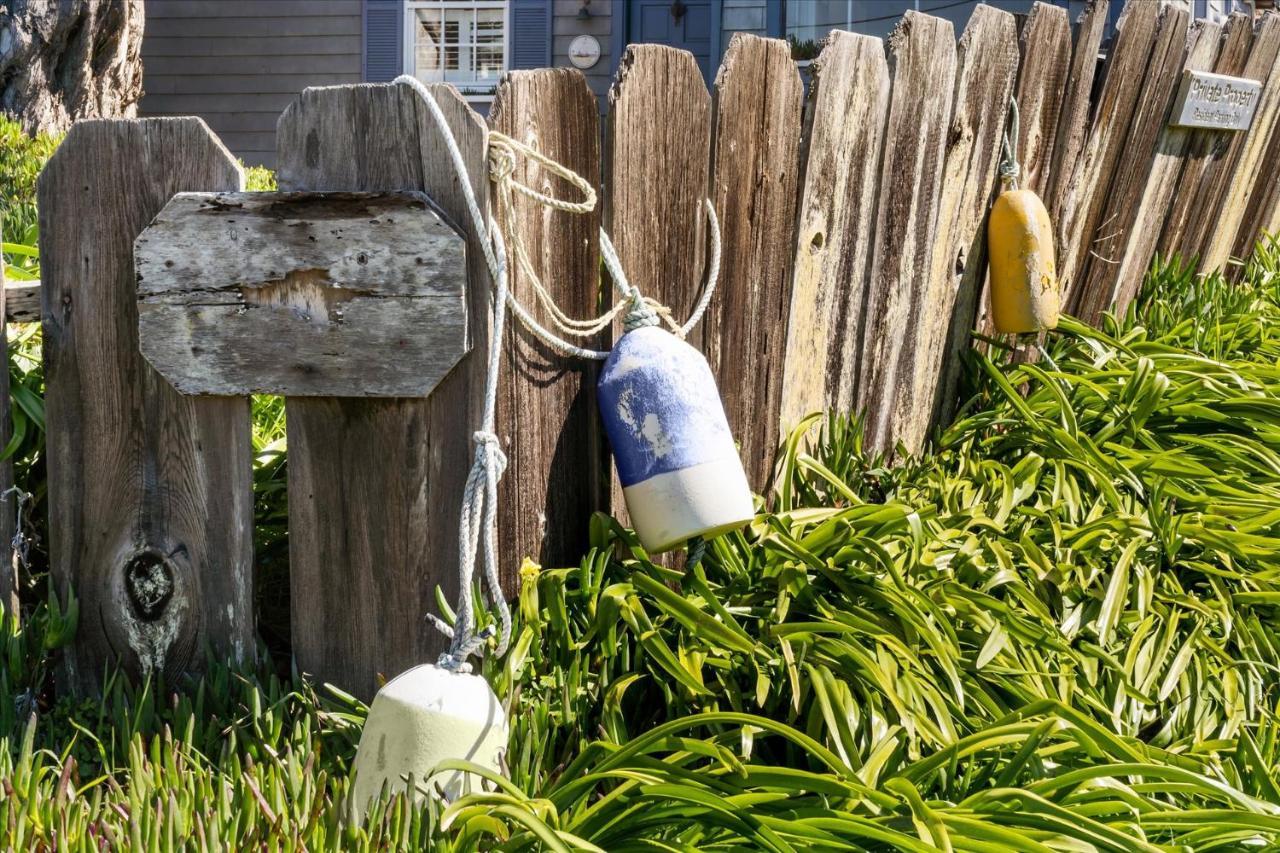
21, 158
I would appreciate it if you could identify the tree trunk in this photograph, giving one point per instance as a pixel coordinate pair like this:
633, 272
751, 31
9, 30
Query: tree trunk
62, 60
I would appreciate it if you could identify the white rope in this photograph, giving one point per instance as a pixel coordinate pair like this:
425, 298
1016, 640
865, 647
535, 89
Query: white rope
477, 527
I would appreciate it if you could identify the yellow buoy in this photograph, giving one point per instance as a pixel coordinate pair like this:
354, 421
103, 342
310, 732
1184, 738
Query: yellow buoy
1024, 282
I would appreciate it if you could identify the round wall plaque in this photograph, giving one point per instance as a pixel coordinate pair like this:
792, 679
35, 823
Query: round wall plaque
584, 51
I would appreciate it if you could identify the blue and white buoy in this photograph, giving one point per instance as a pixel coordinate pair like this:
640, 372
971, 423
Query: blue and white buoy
680, 471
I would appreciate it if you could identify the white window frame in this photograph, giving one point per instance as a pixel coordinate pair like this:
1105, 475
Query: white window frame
409, 60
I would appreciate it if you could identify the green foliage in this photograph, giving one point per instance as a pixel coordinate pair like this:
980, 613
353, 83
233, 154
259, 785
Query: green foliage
259, 179
21, 158
1055, 631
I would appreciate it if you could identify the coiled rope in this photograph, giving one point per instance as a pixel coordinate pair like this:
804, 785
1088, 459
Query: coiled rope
477, 528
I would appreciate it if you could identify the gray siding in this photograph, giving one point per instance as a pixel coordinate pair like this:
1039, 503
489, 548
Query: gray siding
565, 27
238, 63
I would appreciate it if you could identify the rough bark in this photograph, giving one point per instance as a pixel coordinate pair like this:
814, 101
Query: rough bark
62, 60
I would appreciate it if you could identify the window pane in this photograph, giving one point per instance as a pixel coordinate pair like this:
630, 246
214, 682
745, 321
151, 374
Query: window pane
427, 46
460, 43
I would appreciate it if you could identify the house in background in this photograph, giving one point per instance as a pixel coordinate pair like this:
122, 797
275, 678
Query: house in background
238, 63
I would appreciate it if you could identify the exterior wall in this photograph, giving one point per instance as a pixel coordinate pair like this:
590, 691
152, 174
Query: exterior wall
238, 63
742, 16
566, 26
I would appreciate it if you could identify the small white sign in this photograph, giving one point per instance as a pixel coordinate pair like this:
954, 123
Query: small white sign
1216, 101
584, 51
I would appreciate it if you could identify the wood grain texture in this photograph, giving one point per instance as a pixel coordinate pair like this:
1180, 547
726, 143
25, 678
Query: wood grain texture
1073, 123
922, 63
986, 67
302, 294
1097, 288
1134, 258
1206, 155
8, 502
657, 174
1252, 172
843, 141
1045, 44
375, 485
757, 107
150, 492
1084, 194
557, 471
22, 301
1262, 214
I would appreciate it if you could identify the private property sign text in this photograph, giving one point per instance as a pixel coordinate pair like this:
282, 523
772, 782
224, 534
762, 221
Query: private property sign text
1215, 101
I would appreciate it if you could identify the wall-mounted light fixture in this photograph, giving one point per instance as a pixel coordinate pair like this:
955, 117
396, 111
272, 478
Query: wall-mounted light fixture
584, 14
678, 9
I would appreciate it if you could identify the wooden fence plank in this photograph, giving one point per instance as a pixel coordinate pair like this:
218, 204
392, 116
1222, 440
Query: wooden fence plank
1251, 166
1205, 155
987, 64
1096, 290
922, 62
844, 127
1135, 253
656, 176
150, 492
8, 502
557, 471
1085, 192
1073, 124
1045, 43
1262, 216
757, 107
375, 485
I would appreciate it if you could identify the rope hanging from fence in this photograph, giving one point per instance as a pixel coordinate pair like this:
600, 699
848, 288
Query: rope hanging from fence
477, 528
1010, 169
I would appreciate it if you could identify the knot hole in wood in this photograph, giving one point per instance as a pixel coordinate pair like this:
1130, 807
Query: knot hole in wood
148, 583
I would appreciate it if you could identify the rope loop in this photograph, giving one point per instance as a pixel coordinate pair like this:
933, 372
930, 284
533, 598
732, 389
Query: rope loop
478, 520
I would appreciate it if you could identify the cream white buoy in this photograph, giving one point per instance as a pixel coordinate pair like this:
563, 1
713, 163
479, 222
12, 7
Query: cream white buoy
422, 717
680, 471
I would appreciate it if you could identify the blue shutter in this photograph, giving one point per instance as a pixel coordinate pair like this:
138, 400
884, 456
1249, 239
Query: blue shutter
530, 34
383, 39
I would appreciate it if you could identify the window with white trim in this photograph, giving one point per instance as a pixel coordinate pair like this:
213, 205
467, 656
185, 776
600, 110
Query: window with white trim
462, 42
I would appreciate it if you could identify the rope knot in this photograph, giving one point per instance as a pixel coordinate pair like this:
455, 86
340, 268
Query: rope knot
639, 313
489, 450
502, 161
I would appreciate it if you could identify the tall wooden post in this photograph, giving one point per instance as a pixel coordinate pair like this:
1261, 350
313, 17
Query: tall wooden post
150, 492
375, 485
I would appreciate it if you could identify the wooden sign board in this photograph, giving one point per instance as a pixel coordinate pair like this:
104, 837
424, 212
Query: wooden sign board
1215, 101
302, 294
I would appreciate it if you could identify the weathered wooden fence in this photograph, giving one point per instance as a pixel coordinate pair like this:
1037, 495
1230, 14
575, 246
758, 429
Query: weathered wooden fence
854, 267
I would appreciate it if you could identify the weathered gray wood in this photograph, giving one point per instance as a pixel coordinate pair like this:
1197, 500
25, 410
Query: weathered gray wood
1096, 290
757, 106
1073, 124
1045, 44
557, 472
1205, 156
656, 174
375, 485
1171, 148
1084, 194
844, 137
22, 301
8, 502
1262, 215
300, 294
1252, 168
987, 63
656, 178
150, 492
922, 62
